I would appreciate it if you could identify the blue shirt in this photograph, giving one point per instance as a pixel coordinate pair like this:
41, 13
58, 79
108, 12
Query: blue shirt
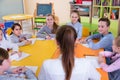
105, 41
78, 27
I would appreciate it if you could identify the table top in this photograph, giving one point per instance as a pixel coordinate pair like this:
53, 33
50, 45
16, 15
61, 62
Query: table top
42, 50
17, 17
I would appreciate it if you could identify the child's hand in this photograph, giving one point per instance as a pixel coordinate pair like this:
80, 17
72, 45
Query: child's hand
83, 41
100, 59
22, 39
18, 70
48, 37
28, 42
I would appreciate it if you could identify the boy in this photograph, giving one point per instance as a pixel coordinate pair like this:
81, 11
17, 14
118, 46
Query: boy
104, 35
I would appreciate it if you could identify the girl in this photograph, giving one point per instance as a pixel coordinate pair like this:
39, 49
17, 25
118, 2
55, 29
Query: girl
18, 37
75, 23
11, 74
114, 67
67, 67
49, 30
8, 45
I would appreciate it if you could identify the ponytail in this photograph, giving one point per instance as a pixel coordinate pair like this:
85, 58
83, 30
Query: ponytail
66, 36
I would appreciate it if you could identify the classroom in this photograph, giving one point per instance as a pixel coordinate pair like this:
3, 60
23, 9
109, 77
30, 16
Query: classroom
59, 39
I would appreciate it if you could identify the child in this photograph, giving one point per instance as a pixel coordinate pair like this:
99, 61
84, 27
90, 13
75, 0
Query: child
11, 74
49, 30
67, 67
114, 67
8, 45
104, 35
18, 37
75, 23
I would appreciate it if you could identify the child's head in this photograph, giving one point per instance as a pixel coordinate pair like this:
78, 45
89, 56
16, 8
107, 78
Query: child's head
16, 29
50, 22
66, 37
1, 34
103, 25
75, 16
116, 45
4, 59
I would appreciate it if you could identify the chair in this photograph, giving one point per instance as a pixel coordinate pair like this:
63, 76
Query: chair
7, 28
40, 12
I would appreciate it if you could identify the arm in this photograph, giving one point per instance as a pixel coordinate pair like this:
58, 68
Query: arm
79, 32
41, 33
27, 36
103, 43
95, 36
12, 46
106, 53
110, 68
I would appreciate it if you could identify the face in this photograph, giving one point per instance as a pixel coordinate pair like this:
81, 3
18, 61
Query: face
115, 48
17, 31
74, 17
6, 64
1, 35
102, 27
49, 21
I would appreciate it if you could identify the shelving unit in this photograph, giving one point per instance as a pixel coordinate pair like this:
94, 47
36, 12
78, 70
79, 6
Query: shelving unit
84, 10
109, 9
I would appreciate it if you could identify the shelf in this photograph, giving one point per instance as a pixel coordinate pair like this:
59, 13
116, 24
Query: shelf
96, 6
115, 6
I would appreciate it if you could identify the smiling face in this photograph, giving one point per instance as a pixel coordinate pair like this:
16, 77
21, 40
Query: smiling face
17, 31
49, 21
102, 27
74, 17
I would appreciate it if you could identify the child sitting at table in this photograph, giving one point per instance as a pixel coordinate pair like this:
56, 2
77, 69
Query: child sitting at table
19, 73
49, 30
8, 45
17, 36
114, 67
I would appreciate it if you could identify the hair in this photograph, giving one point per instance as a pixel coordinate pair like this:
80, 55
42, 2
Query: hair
117, 41
55, 26
66, 36
77, 12
14, 25
3, 55
105, 20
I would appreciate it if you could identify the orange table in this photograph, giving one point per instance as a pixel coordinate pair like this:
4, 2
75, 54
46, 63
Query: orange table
44, 49
18, 17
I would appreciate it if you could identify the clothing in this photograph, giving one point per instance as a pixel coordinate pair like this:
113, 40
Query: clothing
8, 45
105, 41
15, 39
10, 76
45, 31
115, 59
78, 27
53, 70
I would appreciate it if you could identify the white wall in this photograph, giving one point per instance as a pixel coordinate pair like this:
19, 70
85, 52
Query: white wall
61, 8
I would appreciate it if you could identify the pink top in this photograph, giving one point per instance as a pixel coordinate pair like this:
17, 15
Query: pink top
115, 65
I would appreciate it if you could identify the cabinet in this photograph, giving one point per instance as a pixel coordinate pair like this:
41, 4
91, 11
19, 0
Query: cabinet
84, 10
109, 9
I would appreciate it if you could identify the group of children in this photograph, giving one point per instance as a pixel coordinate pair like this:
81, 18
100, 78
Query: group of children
67, 67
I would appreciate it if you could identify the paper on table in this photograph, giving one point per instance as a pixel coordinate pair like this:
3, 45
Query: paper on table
17, 58
33, 68
86, 45
33, 40
40, 38
93, 60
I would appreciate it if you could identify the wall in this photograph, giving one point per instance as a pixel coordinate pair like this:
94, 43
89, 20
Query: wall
61, 8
